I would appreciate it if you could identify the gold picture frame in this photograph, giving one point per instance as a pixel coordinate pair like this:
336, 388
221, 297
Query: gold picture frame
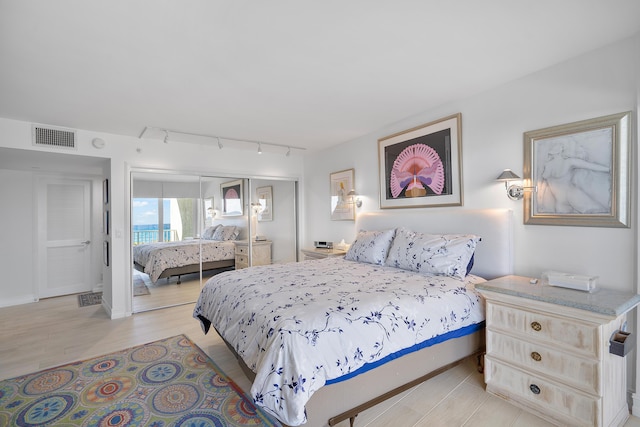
579, 173
265, 198
342, 206
232, 198
422, 167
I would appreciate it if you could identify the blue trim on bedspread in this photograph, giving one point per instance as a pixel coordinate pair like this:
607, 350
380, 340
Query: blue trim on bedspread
435, 340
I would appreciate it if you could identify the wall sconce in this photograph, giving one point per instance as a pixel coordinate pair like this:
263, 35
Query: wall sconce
256, 207
514, 191
355, 200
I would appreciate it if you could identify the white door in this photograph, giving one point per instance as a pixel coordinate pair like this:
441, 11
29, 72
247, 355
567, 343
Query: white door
64, 231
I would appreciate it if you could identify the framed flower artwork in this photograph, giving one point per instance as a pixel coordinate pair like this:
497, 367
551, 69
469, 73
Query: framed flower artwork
422, 167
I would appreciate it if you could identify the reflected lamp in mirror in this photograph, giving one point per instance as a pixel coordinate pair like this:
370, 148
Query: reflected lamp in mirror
514, 191
256, 207
353, 198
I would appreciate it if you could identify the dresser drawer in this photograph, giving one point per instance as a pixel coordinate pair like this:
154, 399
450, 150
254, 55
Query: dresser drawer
242, 261
564, 404
242, 250
552, 362
554, 331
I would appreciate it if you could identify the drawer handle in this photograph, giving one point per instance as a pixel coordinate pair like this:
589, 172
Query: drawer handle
536, 356
536, 326
534, 389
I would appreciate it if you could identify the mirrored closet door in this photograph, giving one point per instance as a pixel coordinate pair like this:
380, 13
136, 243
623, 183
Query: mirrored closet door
165, 219
188, 228
273, 221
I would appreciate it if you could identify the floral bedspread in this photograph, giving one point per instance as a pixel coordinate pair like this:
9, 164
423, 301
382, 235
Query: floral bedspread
299, 325
157, 257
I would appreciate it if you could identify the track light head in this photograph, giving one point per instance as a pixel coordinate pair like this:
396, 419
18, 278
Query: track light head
288, 151
259, 148
219, 143
166, 137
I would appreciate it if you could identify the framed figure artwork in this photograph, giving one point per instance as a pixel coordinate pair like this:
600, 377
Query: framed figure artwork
579, 173
232, 201
265, 198
208, 210
342, 206
422, 167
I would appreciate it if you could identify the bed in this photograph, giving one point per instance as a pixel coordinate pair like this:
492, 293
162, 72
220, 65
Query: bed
166, 259
316, 337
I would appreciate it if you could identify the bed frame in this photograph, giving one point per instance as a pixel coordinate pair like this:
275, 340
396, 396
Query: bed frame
190, 268
493, 258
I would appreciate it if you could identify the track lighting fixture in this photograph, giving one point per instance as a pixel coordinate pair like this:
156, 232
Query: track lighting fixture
154, 131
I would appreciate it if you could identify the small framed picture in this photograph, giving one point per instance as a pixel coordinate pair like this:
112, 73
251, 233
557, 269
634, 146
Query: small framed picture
232, 200
265, 198
342, 206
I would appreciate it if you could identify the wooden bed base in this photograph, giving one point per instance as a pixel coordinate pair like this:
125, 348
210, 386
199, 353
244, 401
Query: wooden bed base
191, 268
345, 400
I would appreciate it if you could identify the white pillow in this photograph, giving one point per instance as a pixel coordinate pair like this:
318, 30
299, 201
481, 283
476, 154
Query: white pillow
440, 254
226, 232
371, 246
207, 234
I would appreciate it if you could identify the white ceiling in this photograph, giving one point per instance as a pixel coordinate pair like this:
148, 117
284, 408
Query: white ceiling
303, 73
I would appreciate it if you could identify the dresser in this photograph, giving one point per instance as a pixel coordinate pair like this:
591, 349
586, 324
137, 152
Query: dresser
260, 253
548, 350
319, 253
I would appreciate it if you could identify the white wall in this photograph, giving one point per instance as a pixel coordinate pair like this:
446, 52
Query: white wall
600, 83
124, 154
17, 219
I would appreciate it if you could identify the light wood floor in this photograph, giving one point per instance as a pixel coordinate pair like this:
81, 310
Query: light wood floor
56, 331
166, 292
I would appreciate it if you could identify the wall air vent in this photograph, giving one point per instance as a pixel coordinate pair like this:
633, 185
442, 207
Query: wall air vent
48, 136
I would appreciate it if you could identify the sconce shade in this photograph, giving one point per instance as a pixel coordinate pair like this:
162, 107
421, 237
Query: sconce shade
514, 191
507, 175
354, 198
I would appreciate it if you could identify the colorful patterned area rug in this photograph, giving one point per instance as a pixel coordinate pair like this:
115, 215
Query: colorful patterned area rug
170, 382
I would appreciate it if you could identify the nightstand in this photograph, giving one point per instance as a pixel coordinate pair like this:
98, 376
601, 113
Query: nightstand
548, 350
319, 253
260, 254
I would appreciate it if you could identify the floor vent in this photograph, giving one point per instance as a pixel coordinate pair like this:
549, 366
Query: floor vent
47, 136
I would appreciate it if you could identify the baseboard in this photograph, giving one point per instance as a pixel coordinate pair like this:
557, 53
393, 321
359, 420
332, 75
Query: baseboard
97, 287
635, 404
24, 299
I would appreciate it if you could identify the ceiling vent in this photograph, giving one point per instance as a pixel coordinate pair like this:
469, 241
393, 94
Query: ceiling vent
48, 136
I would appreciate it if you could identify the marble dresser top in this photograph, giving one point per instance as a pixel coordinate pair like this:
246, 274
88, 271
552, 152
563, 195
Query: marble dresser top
601, 300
